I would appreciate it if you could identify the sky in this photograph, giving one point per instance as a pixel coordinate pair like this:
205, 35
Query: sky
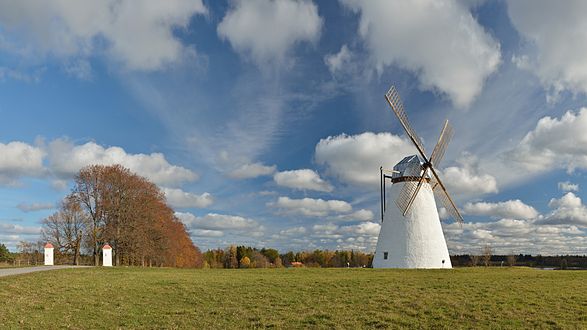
264, 121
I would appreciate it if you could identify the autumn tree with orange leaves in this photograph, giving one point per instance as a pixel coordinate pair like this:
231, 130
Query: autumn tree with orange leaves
130, 213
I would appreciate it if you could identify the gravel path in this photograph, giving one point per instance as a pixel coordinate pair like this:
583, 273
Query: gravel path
25, 270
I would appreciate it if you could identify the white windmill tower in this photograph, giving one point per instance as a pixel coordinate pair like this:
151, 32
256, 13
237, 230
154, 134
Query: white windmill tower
411, 235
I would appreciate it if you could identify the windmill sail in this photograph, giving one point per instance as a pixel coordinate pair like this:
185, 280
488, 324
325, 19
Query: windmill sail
444, 197
411, 188
448, 205
403, 200
445, 136
396, 104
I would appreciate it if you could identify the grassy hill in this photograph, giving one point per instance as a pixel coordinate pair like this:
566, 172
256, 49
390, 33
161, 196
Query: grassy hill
299, 298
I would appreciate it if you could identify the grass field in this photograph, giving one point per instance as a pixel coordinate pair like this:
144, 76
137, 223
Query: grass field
294, 298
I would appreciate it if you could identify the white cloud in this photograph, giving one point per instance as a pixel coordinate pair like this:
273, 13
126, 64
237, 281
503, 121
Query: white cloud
567, 186
568, 209
19, 74
206, 233
26, 207
348, 157
328, 230
329, 227
461, 180
19, 159
221, 222
569, 200
364, 228
302, 179
329, 235
8, 228
266, 30
311, 207
443, 213
360, 215
138, 34
467, 178
507, 236
514, 209
294, 231
558, 37
357, 237
249, 171
555, 143
66, 159
180, 198
80, 69
438, 40
63, 160
337, 62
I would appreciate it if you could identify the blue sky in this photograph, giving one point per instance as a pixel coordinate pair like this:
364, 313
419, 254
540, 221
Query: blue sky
264, 121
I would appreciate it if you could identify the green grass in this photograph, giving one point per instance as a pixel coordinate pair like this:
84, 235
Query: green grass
295, 298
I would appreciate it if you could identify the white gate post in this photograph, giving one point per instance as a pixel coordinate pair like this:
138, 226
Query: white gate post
106, 256
48, 254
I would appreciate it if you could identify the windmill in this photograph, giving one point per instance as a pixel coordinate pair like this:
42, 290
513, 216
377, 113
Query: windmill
411, 235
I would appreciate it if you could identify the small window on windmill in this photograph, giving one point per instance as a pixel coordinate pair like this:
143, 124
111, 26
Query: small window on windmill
385, 255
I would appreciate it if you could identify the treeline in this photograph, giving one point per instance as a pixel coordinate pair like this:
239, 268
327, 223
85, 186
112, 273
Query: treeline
5, 255
538, 261
29, 253
250, 257
111, 205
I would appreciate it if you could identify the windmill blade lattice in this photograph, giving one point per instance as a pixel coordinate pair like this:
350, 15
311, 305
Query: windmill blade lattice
415, 193
396, 104
445, 136
448, 205
444, 197
405, 195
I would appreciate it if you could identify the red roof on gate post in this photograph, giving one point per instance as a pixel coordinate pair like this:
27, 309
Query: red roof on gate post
106, 247
48, 246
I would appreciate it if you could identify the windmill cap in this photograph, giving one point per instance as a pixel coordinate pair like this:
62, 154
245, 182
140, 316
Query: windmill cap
106, 247
48, 246
409, 166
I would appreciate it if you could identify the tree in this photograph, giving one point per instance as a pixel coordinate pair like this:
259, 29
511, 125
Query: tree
66, 228
511, 259
271, 254
288, 258
88, 191
5, 255
245, 262
214, 258
487, 255
231, 261
29, 252
474, 260
260, 260
278, 263
130, 213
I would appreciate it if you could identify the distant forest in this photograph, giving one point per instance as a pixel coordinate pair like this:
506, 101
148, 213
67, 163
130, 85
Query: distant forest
250, 257
538, 261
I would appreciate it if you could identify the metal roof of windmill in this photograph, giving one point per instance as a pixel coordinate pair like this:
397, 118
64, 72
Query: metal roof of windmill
409, 166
